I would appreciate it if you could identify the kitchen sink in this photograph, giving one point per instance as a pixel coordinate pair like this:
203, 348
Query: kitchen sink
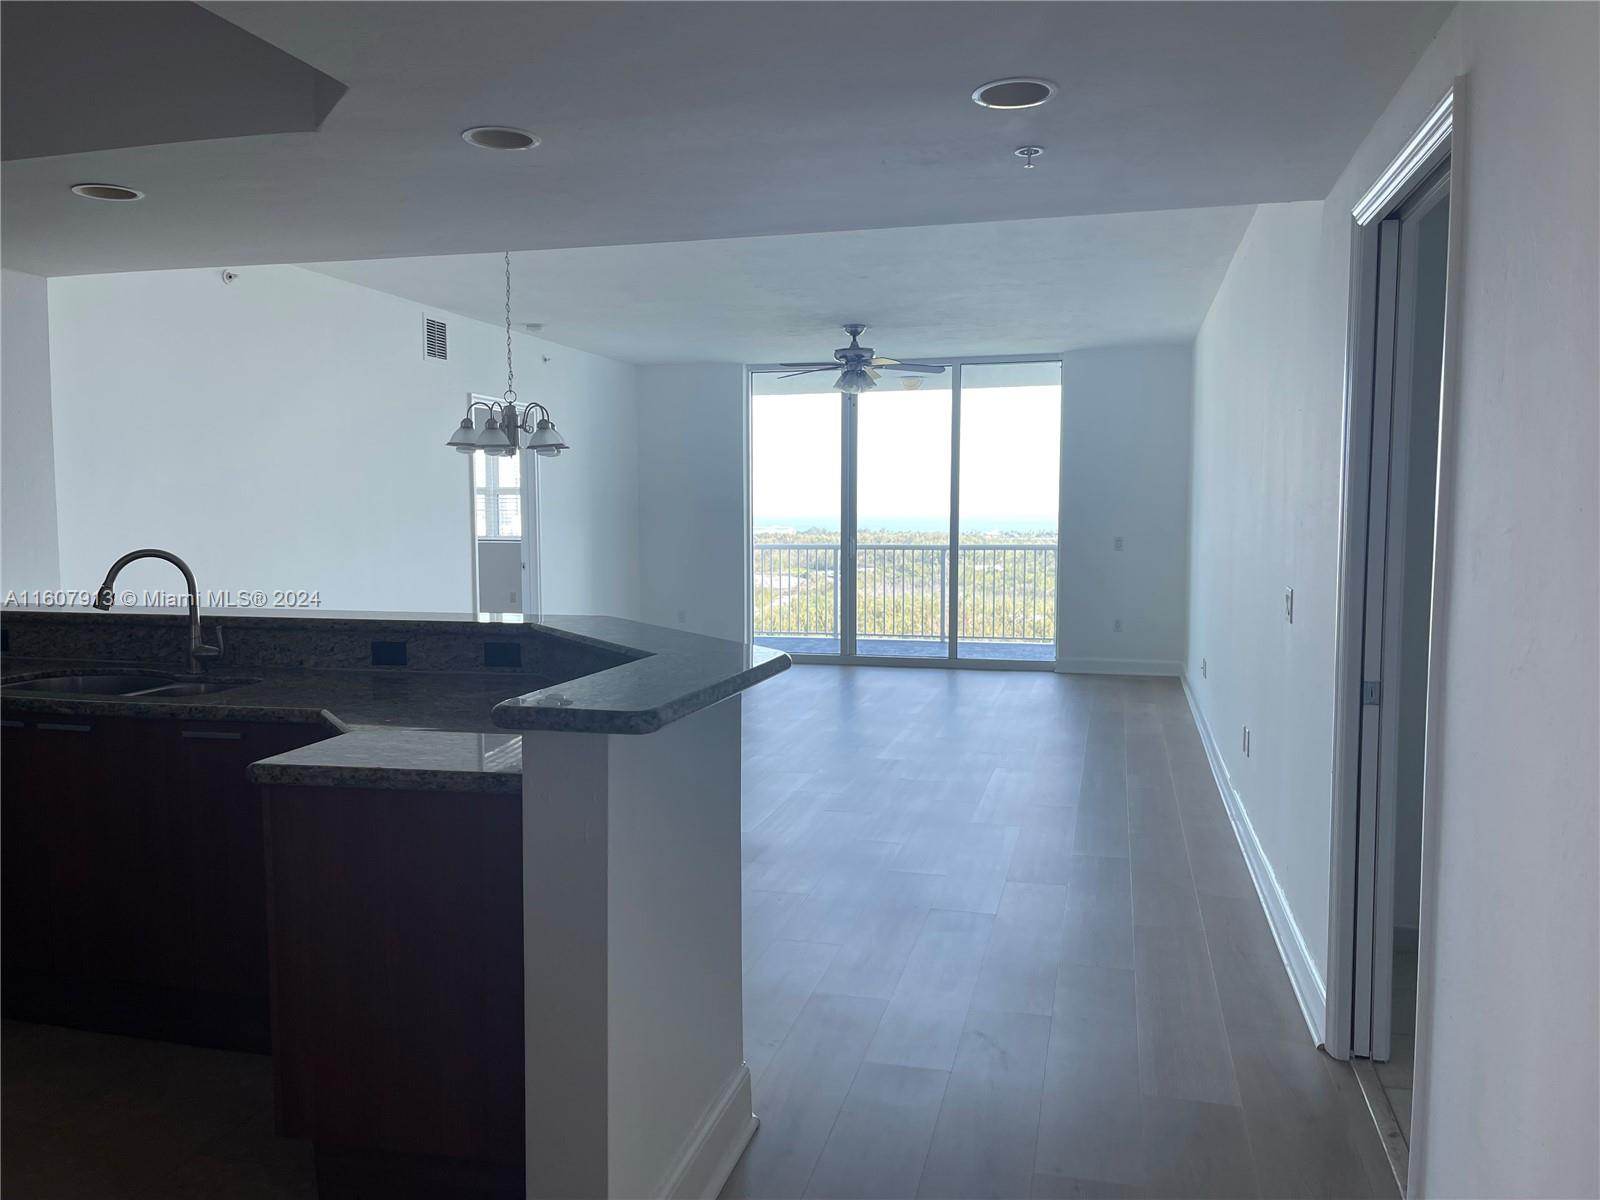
196, 687
102, 684
129, 684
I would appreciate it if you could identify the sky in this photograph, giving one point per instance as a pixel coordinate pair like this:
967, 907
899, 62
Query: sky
1010, 445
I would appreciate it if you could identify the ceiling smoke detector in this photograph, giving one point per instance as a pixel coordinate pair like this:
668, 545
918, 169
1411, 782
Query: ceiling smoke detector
499, 137
106, 191
1020, 91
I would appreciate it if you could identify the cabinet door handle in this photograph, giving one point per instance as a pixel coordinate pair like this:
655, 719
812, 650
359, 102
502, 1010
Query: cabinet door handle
214, 735
56, 727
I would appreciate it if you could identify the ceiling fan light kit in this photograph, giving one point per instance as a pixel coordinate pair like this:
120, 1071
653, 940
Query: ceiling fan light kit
853, 381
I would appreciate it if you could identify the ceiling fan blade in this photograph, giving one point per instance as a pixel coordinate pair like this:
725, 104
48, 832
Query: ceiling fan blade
808, 366
920, 368
810, 371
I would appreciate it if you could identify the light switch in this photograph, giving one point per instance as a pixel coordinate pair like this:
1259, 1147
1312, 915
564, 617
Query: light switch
1288, 605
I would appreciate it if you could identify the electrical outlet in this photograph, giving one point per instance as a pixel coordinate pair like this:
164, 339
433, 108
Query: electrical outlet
1288, 605
1116, 626
683, 616
1202, 668
1116, 542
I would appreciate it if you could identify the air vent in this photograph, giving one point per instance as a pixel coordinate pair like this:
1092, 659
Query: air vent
438, 339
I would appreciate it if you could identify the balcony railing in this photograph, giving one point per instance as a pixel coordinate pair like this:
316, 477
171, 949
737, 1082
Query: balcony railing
1008, 591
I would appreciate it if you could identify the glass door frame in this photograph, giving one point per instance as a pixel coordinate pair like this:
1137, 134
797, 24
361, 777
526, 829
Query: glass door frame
849, 438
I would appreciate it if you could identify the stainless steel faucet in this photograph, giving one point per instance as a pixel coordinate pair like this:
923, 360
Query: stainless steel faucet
198, 648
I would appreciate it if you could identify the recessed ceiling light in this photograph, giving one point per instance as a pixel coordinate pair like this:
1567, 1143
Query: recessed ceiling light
499, 137
1022, 91
105, 191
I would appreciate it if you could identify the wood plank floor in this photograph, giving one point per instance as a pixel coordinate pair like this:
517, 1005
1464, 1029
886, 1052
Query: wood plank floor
1000, 942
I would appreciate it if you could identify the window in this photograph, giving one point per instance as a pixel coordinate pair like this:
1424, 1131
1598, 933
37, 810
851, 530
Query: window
876, 540
497, 496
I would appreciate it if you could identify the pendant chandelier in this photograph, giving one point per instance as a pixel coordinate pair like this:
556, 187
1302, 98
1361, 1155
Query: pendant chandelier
503, 432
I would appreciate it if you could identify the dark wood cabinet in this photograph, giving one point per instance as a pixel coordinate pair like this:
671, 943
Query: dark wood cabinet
134, 875
396, 926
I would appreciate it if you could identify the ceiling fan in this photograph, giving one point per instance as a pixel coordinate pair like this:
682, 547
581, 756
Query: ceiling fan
857, 365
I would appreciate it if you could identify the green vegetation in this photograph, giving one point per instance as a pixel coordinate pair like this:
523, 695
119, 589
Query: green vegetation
903, 584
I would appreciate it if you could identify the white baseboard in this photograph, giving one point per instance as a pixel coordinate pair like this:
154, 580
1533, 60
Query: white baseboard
1304, 977
1118, 666
714, 1145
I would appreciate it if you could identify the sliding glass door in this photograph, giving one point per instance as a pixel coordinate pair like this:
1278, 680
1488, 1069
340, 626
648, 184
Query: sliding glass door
902, 520
795, 493
1008, 496
914, 523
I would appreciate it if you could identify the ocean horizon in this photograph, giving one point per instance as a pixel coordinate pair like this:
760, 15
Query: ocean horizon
973, 524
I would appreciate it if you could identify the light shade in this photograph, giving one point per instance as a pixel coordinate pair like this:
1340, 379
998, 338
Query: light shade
492, 439
546, 439
465, 439
853, 381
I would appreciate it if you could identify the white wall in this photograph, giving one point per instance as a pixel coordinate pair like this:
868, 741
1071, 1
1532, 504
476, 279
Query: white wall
692, 498
1264, 517
589, 530
28, 554
1125, 473
1508, 1086
286, 431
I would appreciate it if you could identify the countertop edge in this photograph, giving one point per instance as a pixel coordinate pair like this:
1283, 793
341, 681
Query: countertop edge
518, 714
268, 773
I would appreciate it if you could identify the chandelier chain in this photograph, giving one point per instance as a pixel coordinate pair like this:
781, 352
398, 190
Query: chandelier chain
511, 391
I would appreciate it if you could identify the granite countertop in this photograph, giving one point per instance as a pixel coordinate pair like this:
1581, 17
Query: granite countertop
427, 729
423, 760
676, 674
442, 700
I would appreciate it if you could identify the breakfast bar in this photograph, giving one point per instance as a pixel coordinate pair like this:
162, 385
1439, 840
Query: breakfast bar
474, 882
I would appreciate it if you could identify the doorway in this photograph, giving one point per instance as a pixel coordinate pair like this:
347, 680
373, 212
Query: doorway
914, 524
503, 506
1400, 280
497, 532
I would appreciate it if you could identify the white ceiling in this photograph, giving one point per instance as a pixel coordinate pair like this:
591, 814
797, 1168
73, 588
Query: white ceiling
1006, 287
666, 122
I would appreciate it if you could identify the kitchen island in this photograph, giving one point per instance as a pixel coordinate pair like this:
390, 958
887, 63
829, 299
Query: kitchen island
500, 859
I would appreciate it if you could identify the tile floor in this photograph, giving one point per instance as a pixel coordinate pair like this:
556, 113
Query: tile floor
999, 941
93, 1117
